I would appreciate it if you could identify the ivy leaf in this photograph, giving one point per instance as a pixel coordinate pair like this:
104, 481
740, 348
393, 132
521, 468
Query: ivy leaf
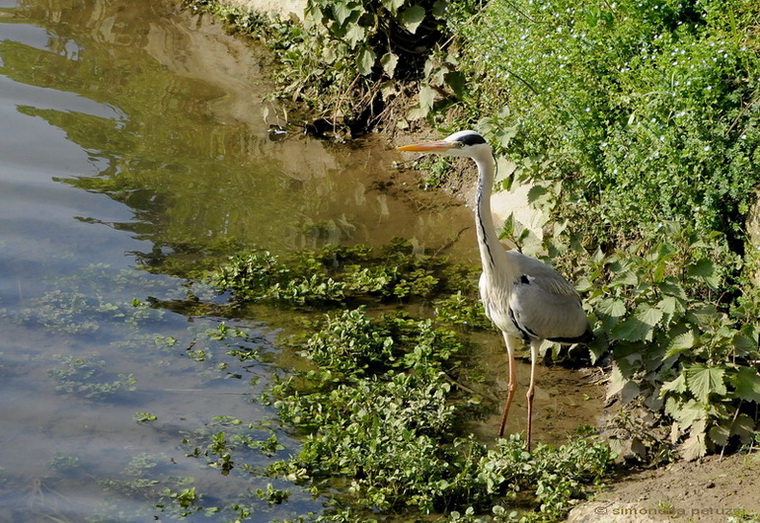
412, 18
747, 384
367, 59
703, 381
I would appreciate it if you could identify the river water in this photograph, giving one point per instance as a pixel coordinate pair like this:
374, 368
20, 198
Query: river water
132, 133
134, 136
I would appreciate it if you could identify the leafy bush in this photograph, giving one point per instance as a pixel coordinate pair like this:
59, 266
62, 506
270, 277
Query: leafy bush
645, 110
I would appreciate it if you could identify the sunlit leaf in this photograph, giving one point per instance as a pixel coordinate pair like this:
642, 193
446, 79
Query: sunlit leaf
676, 385
427, 97
680, 342
367, 59
611, 307
639, 326
341, 11
412, 18
392, 5
694, 447
389, 62
703, 381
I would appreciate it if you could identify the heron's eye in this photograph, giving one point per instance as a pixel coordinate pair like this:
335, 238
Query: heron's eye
459, 145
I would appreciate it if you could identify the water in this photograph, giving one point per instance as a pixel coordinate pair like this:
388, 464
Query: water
132, 135
132, 138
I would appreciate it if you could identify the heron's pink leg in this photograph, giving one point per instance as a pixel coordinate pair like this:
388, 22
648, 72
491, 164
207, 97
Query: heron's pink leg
534, 345
512, 343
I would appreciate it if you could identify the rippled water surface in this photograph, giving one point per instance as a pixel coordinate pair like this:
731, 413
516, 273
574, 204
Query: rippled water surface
131, 135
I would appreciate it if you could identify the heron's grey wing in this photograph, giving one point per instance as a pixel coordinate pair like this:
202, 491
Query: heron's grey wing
545, 305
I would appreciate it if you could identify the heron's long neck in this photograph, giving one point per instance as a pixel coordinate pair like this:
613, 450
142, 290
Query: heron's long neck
488, 242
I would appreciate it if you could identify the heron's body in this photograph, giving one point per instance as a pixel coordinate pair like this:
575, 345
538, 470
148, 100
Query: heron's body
524, 297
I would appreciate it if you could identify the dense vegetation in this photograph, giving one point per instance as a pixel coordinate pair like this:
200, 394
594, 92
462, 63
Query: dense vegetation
636, 122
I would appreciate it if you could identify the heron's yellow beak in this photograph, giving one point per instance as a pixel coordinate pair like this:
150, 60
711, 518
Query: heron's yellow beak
438, 145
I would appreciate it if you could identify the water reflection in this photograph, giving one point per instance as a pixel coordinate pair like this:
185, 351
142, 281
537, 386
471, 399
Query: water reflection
130, 131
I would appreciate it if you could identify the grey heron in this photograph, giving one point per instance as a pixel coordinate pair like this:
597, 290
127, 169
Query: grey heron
525, 298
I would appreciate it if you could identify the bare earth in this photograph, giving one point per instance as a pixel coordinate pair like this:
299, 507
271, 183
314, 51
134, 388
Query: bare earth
709, 490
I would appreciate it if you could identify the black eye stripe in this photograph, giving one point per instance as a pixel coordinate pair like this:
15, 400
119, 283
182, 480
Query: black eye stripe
471, 139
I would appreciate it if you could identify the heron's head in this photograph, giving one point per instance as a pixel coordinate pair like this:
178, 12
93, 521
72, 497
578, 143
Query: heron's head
462, 143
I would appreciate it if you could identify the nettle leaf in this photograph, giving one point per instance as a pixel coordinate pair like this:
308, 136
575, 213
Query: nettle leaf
457, 82
703, 381
744, 427
389, 62
676, 385
367, 59
611, 307
694, 447
747, 384
704, 270
679, 342
639, 326
616, 382
412, 18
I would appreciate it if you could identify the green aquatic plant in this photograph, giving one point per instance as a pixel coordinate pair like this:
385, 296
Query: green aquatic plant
380, 411
336, 275
88, 378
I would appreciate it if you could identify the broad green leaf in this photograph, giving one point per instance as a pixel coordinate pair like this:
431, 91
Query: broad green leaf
427, 97
704, 270
341, 11
392, 5
632, 329
412, 18
639, 326
616, 382
439, 9
719, 434
671, 287
676, 385
703, 381
367, 59
355, 33
611, 307
694, 447
626, 277
679, 343
389, 61
744, 427
457, 82
747, 384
